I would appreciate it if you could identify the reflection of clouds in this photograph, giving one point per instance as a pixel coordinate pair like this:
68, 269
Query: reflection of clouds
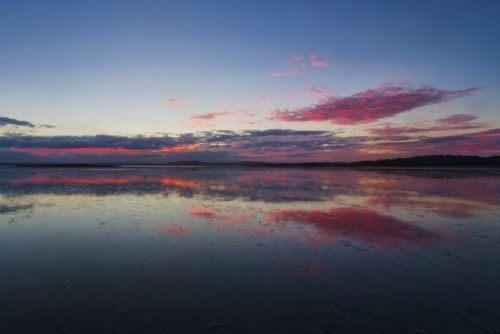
364, 226
179, 183
46, 179
202, 213
442, 194
224, 219
274, 185
448, 194
320, 226
447, 184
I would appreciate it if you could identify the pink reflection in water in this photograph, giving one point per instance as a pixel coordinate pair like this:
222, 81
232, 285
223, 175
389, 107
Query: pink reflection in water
222, 219
46, 179
179, 183
445, 194
364, 226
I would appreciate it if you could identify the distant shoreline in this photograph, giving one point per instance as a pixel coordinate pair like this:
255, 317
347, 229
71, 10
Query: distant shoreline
420, 162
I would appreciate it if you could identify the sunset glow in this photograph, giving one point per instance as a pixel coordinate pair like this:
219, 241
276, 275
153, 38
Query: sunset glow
240, 81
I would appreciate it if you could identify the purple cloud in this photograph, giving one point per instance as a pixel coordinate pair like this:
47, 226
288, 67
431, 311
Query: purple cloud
371, 105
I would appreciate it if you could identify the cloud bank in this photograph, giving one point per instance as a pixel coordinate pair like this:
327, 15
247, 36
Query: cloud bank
262, 145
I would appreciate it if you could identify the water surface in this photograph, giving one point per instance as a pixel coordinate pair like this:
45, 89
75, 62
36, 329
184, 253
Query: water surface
249, 250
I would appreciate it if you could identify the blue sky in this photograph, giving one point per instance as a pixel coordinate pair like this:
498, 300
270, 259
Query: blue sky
118, 67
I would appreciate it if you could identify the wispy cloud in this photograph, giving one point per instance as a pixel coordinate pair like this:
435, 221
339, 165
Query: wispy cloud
318, 91
175, 102
316, 61
450, 123
286, 74
208, 118
212, 115
47, 126
457, 119
371, 105
299, 65
296, 59
485, 142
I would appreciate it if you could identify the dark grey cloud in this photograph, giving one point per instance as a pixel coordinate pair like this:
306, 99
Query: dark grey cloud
8, 121
267, 137
448, 139
5, 121
98, 141
286, 132
209, 146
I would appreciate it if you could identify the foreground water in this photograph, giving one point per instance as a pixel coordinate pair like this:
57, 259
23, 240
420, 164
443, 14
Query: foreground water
240, 250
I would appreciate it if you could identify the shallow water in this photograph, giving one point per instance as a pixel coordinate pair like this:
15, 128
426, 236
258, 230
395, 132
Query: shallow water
242, 250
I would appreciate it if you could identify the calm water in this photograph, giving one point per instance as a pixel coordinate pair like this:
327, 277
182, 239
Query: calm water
181, 250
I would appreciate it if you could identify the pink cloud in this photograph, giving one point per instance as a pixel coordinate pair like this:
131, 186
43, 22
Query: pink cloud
212, 115
175, 102
316, 61
370, 106
298, 64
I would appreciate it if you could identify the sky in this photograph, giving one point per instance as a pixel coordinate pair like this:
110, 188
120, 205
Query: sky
160, 81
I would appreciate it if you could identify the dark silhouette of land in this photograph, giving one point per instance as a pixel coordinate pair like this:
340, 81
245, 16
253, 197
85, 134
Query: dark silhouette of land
428, 161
